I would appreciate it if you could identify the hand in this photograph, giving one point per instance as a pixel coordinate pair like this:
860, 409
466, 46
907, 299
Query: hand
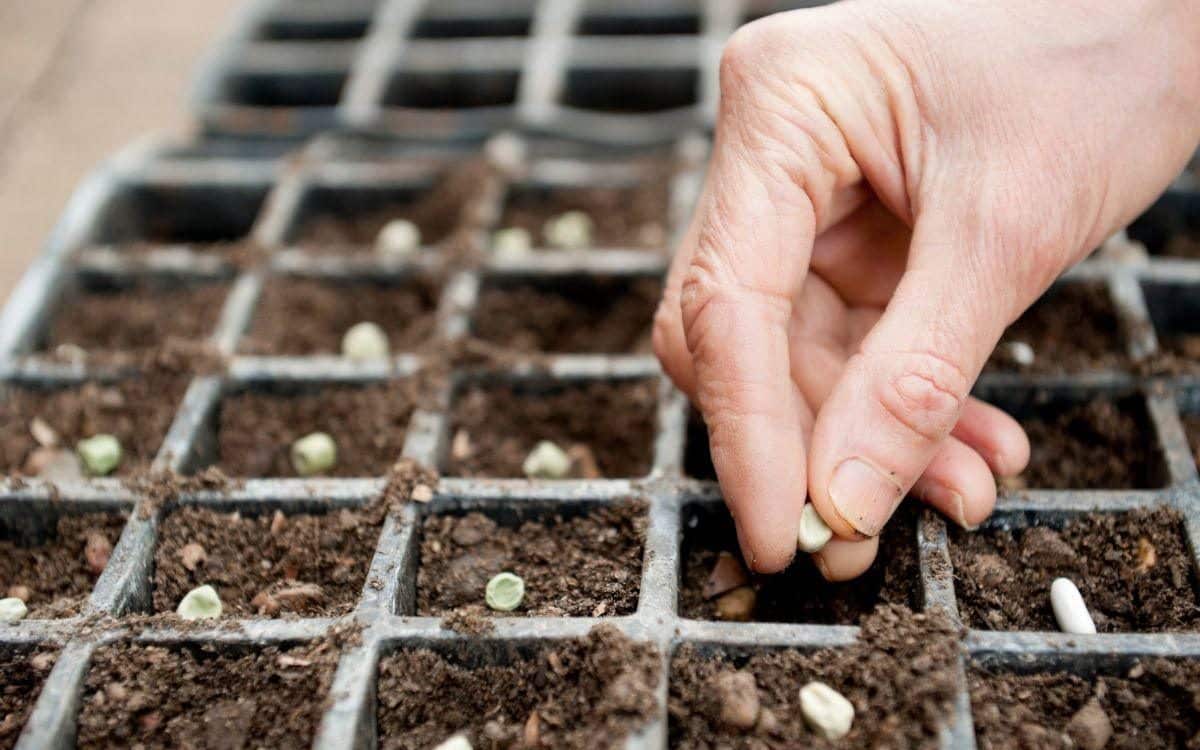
893, 182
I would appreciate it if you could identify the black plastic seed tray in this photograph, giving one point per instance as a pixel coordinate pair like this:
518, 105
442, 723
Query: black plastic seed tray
619, 72
184, 199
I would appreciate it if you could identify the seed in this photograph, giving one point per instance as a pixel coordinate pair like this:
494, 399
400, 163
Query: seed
727, 574
737, 605
422, 493
19, 592
399, 239
201, 603
457, 742
504, 592
736, 695
313, 454
826, 711
1069, 610
192, 555
96, 551
814, 532
100, 454
571, 230
460, 447
1021, 353
365, 341
511, 244
12, 609
546, 461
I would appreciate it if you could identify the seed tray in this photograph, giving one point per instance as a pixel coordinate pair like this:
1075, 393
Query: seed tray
182, 197
447, 69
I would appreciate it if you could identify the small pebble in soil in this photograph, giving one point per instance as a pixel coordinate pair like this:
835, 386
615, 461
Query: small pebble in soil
511, 244
43, 433
12, 609
100, 454
1069, 609
313, 454
201, 603
19, 592
737, 605
546, 461
727, 574
96, 551
457, 742
814, 532
1147, 555
192, 556
364, 342
399, 239
736, 699
504, 592
826, 710
1090, 727
422, 493
571, 230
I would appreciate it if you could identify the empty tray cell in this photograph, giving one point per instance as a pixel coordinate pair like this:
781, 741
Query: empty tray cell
697, 458
257, 426
584, 692
607, 428
22, 672
491, 24
40, 426
575, 314
452, 89
331, 24
307, 90
204, 695
656, 21
1073, 328
631, 91
304, 316
51, 560
899, 674
632, 216
267, 564
716, 584
1175, 311
577, 563
145, 215
1171, 226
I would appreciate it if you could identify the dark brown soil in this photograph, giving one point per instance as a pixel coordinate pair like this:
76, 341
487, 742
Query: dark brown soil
208, 696
1153, 705
368, 424
1182, 246
603, 316
1003, 577
1073, 328
137, 411
899, 675
697, 458
632, 217
894, 578
266, 565
502, 423
300, 317
21, 678
585, 692
1100, 444
580, 566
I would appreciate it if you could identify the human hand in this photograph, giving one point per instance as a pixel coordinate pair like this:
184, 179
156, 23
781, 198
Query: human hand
892, 183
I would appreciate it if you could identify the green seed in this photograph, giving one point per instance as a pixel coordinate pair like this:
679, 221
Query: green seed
100, 454
505, 592
200, 603
313, 454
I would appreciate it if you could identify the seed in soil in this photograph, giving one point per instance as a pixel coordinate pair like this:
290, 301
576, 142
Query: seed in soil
100, 454
585, 692
457, 742
21, 676
313, 454
1070, 329
502, 423
814, 532
511, 244
504, 592
364, 342
12, 609
571, 230
398, 240
622, 217
826, 711
547, 461
1070, 611
1002, 574
201, 603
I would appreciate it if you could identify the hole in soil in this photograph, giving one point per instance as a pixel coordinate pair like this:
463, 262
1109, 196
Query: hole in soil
607, 427
256, 427
1134, 570
22, 672
452, 89
462, 28
1175, 311
137, 411
52, 560
637, 25
575, 314
631, 90
586, 692
1072, 328
697, 459
199, 214
299, 316
290, 30
1171, 226
311, 89
581, 563
634, 216
212, 695
894, 578
268, 564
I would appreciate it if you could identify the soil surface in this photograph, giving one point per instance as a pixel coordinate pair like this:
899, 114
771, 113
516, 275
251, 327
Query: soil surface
1182, 245
368, 424
581, 566
597, 316
629, 217
501, 424
894, 577
299, 317
214, 697
1133, 570
584, 692
137, 411
1072, 328
21, 678
1100, 444
1153, 705
899, 675
266, 565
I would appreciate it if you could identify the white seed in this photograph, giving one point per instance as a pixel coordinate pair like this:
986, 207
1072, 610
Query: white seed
457, 742
100, 454
814, 532
570, 231
505, 151
826, 711
399, 239
201, 603
504, 592
12, 609
1021, 353
313, 454
1070, 611
511, 244
546, 461
43, 433
365, 341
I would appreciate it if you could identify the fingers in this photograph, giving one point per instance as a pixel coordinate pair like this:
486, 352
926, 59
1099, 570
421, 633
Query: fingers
958, 484
842, 559
995, 435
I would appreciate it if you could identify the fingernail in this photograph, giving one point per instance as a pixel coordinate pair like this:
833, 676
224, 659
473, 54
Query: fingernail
864, 496
822, 567
944, 497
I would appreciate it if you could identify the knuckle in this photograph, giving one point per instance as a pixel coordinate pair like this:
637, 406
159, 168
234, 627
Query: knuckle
925, 395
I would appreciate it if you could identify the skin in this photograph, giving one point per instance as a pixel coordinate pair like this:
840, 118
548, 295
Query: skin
893, 182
